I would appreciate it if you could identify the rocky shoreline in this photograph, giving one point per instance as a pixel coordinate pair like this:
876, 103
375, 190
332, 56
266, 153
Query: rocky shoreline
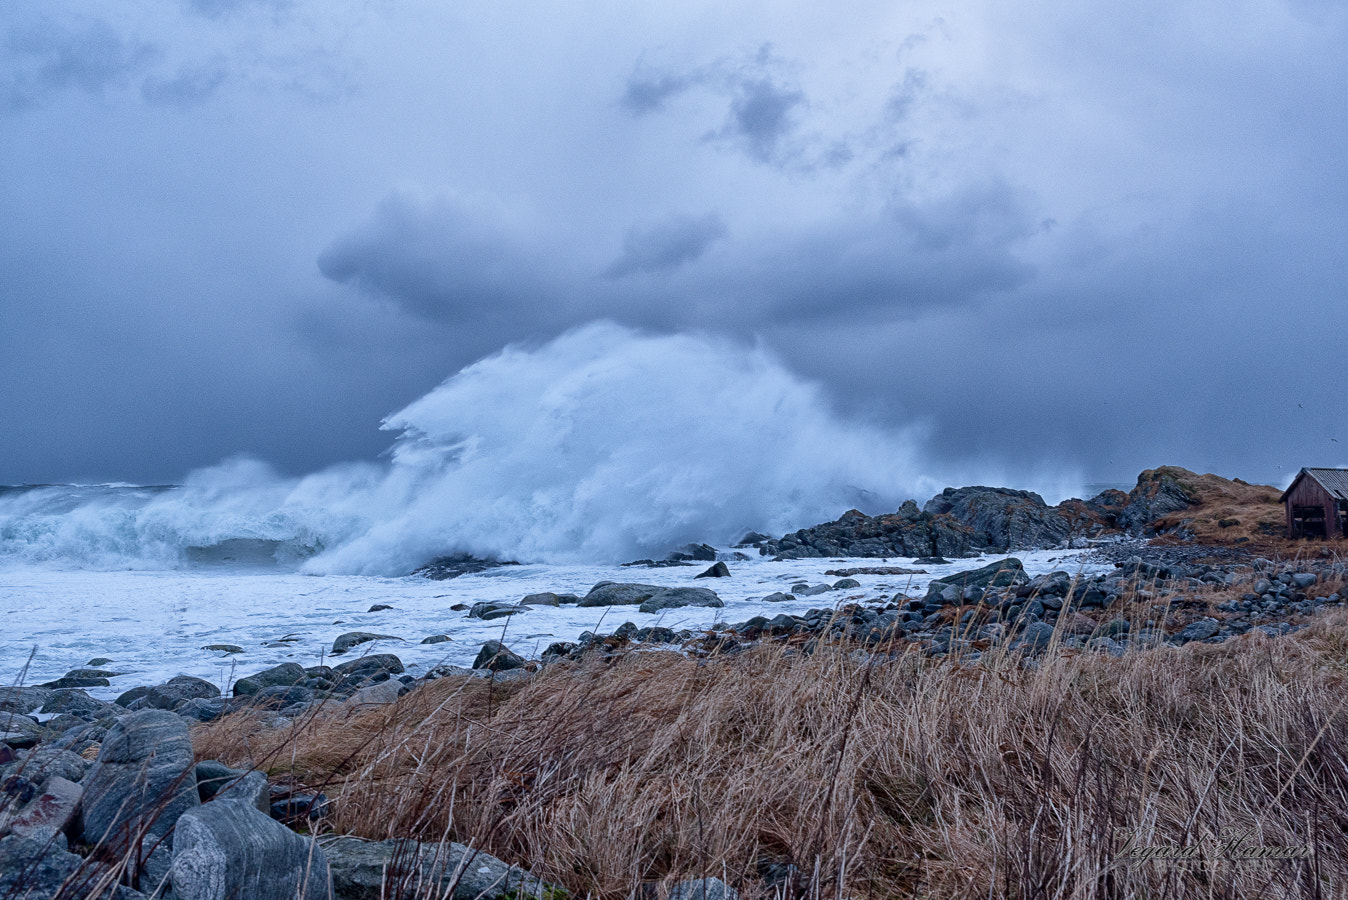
105, 799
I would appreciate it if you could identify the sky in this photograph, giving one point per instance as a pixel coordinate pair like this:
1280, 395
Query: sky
1049, 236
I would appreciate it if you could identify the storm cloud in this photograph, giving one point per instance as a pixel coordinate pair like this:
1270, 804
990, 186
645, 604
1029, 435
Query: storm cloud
1057, 238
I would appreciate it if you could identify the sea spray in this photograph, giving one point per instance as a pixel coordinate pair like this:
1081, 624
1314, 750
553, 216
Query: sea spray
601, 445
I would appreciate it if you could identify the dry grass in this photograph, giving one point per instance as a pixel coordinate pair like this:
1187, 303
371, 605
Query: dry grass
831, 776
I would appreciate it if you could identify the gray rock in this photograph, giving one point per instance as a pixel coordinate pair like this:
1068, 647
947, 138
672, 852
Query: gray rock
178, 691
719, 570
703, 889
50, 812
199, 710
1002, 573
224, 648
436, 639
1303, 580
41, 869
376, 694
1035, 638
21, 731
212, 775
608, 593
1105, 645
1198, 631
285, 674
809, 591
673, 598
251, 789
280, 696
487, 610
371, 870
372, 665
228, 849
351, 639
79, 704
48, 761
779, 597
545, 598
846, 584
23, 699
497, 657
142, 780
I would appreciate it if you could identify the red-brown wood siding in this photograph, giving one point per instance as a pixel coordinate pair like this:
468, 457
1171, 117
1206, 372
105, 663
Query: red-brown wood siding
1308, 492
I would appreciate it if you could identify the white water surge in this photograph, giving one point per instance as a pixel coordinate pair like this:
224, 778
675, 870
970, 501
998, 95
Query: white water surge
601, 446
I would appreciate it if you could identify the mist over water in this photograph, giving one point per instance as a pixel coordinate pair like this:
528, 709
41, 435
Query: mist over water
603, 445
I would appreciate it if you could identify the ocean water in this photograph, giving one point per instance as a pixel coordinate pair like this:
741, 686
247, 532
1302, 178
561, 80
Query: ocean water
601, 446
153, 624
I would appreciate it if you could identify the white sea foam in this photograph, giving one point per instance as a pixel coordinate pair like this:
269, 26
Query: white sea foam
602, 445
156, 624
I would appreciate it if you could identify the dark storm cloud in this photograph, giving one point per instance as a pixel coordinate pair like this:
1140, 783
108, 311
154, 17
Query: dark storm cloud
669, 244
1054, 233
448, 259
46, 57
445, 257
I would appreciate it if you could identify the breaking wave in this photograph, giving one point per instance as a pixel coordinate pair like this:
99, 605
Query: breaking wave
602, 445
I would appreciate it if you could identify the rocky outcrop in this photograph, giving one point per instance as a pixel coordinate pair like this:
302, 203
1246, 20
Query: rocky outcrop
907, 532
1158, 493
443, 568
1002, 519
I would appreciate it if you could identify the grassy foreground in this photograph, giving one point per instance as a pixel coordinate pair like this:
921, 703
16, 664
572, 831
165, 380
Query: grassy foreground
830, 776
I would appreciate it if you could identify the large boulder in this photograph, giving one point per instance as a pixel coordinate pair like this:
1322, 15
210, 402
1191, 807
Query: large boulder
345, 642
497, 657
672, 598
177, 691
1002, 573
1002, 519
285, 675
372, 870
141, 782
227, 849
608, 593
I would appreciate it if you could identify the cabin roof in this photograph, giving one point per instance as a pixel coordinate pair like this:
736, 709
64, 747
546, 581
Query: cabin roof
1334, 481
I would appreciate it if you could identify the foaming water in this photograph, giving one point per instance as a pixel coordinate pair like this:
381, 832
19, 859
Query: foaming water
602, 445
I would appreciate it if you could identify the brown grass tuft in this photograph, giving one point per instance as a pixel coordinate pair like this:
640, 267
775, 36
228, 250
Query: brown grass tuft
833, 776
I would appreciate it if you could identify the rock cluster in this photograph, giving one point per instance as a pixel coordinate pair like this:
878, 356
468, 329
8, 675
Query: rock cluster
1140, 605
962, 522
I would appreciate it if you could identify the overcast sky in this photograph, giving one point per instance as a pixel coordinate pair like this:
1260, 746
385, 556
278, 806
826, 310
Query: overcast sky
1101, 236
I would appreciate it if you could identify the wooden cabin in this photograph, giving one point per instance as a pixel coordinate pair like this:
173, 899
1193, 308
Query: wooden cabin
1317, 503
